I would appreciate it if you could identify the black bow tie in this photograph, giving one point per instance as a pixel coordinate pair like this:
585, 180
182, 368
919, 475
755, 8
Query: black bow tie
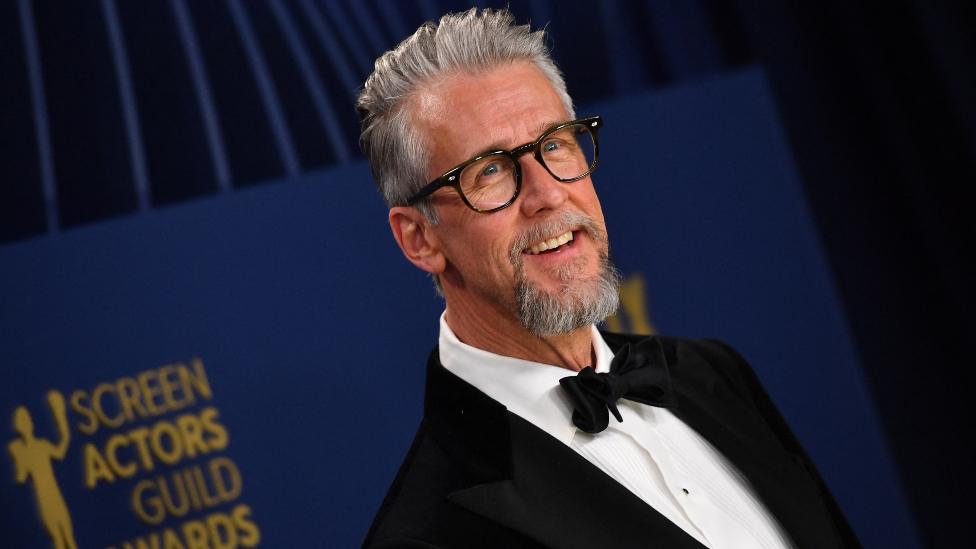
638, 373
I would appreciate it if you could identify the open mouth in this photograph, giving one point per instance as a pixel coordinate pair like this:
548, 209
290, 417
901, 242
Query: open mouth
551, 245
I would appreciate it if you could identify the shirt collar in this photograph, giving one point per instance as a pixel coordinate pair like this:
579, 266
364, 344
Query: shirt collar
528, 389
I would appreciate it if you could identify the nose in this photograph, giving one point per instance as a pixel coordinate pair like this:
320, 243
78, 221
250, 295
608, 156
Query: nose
540, 190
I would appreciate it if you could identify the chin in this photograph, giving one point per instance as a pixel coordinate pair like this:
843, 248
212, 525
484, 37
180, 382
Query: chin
575, 303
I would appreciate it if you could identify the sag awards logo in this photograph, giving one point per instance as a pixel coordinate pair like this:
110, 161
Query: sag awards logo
151, 461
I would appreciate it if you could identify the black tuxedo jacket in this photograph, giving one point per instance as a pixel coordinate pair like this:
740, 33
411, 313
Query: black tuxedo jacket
478, 476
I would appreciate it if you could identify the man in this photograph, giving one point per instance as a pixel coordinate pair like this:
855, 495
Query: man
487, 170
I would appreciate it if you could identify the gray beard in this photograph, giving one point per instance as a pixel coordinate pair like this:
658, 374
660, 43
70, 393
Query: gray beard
576, 303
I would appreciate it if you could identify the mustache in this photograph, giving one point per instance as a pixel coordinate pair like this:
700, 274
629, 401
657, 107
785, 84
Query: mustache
557, 224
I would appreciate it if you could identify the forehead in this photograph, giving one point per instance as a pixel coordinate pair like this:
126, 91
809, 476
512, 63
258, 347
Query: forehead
464, 114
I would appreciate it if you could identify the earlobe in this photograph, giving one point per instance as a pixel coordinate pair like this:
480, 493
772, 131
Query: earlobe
416, 239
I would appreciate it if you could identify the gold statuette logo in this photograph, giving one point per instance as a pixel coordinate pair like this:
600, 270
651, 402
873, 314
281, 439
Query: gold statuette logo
33, 460
632, 316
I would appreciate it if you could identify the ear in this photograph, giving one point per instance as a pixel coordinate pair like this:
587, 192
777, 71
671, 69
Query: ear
417, 241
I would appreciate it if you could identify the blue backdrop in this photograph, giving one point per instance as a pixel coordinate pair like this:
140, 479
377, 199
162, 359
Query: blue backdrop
313, 331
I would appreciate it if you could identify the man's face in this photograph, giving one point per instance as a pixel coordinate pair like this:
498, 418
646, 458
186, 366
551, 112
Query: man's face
490, 258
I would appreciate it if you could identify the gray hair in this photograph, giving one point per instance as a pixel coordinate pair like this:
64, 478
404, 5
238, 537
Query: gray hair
471, 42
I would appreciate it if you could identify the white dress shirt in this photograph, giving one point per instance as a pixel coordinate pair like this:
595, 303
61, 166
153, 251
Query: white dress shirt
651, 453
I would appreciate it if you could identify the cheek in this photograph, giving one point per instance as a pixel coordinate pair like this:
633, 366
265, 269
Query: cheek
479, 245
478, 253
494, 260
494, 255
588, 200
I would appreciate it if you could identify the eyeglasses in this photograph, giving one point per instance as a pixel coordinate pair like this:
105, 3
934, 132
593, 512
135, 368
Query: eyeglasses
492, 181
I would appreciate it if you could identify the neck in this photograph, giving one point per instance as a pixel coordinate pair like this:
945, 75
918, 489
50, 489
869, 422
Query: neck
497, 331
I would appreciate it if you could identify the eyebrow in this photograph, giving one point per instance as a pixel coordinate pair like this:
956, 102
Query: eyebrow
538, 130
546, 125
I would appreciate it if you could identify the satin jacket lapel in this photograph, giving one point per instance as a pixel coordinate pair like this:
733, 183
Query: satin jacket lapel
562, 501
709, 405
526, 480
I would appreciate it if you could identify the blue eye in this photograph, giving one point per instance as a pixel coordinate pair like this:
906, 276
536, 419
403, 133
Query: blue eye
490, 169
550, 146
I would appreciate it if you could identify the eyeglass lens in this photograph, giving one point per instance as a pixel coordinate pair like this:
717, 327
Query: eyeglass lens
490, 182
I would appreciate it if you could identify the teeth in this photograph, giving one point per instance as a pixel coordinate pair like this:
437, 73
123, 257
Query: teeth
550, 243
